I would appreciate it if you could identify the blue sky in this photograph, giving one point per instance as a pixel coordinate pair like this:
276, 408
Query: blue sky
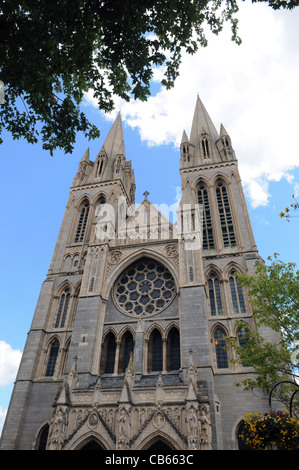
251, 89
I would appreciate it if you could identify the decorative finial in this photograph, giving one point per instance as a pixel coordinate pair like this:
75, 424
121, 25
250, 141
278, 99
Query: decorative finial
145, 194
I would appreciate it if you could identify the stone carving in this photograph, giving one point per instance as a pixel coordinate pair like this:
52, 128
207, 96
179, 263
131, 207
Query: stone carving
158, 420
192, 427
115, 257
206, 428
93, 420
58, 428
124, 422
171, 251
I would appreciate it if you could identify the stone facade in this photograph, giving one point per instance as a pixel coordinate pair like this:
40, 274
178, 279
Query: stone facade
125, 350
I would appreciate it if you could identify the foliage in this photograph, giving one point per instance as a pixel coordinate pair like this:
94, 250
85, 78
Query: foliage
286, 214
51, 52
274, 295
271, 430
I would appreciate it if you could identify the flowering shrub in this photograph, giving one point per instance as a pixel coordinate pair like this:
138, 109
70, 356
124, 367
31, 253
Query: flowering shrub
271, 431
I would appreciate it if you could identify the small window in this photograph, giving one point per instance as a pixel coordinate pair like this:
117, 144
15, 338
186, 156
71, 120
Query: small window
220, 349
237, 295
62, 309
155, 354
110, 353
101, 167
52, 358
42, 438
205, 147
215, 296
82, 223
173, 350
126, 348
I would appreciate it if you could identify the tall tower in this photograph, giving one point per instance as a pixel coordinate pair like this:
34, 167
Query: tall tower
126, 347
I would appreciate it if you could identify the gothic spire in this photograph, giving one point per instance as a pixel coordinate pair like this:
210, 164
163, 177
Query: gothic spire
202, 122
114, 143
204, 136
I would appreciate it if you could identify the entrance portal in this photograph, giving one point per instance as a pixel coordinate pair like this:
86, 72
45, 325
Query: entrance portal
92, 445
159, 445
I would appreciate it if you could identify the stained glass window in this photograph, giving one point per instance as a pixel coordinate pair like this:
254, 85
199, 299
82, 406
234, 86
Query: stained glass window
144, 288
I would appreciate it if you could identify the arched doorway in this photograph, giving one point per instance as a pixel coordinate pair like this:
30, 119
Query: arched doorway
92, 445
159, 445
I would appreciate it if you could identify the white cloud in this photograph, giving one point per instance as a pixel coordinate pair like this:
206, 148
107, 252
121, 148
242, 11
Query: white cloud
9, 363
251, 88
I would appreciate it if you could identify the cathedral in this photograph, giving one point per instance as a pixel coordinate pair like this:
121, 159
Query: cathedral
127, 349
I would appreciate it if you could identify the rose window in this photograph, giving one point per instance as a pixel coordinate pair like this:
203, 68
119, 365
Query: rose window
144, 288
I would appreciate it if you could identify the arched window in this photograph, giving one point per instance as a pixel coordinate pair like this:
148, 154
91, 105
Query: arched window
109, 356
126, 348
221, 353
207, 232
173, 350
42, 438
236, 294
52, 358
101, 165
82, 223
215, 296
62, 308
226, 220
155, 353
205, 147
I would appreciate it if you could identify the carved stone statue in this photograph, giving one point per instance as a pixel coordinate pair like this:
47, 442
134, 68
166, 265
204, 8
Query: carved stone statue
58, 428
123, 435
206, 428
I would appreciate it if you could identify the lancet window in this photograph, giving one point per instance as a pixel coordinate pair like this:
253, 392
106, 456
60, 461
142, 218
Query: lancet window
63, 308
207, 232
155, 356
205, 147
126, 349
110, 353
236, 295
225, 215
220, 349
82, 223
52, 359
173, 350
215, 296
42, 438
